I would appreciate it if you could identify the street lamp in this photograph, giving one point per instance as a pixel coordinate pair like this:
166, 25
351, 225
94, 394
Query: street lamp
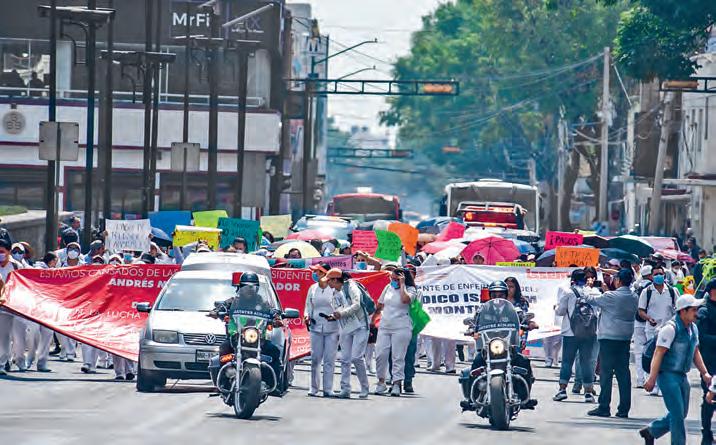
370, 68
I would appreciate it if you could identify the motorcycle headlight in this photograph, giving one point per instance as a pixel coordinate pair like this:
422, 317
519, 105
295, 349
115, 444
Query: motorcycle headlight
497, 347
165, 336
250, 335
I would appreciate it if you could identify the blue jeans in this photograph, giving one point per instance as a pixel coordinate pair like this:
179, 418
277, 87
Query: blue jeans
570, 347
592, 363
675, 389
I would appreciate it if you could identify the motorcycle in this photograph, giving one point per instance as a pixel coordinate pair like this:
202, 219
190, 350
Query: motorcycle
492, 392
245, 378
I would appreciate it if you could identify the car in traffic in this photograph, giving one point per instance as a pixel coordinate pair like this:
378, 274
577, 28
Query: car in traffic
179, 338
337, 227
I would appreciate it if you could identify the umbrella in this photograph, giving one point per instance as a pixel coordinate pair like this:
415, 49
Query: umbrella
473, 233
596, 241
493, 249
450, 252
307, 250
435, 225
673, 254
524, 247
632, 244
547, 258
437, 246
309, 235
161, 238
619, 254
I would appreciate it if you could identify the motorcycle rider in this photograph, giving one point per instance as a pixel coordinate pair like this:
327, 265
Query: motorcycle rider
497, 289
248, 299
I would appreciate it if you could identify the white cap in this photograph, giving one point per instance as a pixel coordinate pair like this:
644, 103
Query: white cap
687, 301
646, 270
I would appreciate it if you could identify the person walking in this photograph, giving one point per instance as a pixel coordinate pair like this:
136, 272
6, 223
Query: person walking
639, 337
677, 347
353, 330
614, 331
396, 330
411, 355
7, 320
576, 338
591, 274
706, 325
323, 332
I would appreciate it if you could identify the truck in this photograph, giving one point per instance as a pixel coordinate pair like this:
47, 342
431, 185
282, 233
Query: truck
365, 207
493, 203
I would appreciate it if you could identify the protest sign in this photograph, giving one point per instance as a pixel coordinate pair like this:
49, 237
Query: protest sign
556, 239
127, 235
343, 262
452, 231
244, 228
408, 236
91, 304
209, 218
167, 220
389, 245
515, 264
184, 235
277, 225
365, 241
577, 256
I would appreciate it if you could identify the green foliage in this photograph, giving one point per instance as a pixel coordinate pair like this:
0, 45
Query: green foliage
518, 63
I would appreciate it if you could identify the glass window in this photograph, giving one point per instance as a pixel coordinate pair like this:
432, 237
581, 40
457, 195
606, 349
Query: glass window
126, 193
196, 192
23, 186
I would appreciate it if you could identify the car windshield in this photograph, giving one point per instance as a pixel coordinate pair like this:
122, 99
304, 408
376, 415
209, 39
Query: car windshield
336, 228
364, 206
199, 295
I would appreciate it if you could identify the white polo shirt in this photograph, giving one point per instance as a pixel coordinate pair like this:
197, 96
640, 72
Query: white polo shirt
660, 307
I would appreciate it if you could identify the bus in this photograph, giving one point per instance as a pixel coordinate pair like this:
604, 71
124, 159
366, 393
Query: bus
365, 207
494, 203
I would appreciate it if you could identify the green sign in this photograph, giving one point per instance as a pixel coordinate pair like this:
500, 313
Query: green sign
234, 227
389, 245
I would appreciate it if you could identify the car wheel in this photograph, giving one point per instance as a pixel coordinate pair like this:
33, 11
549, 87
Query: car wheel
145, 383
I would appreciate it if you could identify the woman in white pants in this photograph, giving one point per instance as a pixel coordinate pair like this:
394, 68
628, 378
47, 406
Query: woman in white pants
124, 369
353, 325
324, 333
395, 330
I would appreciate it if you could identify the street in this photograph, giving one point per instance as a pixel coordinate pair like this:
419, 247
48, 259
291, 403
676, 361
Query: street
68, 407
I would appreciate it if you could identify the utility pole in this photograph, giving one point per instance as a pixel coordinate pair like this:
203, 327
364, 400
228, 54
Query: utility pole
185, 126
89, 153
604, 163
52, 175
106, 124
213, 54
155, 113
655, 204
243, 56
146, 97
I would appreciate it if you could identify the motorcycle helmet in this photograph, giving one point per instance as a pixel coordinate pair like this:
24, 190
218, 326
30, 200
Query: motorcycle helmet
249, 279
496, 288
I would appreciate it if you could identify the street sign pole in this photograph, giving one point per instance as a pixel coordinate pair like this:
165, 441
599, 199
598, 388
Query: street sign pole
53, 167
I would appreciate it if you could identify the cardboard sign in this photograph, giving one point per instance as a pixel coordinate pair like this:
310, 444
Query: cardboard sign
167, 220
209, 218
577, 256
364, 240
343, 262
556, 239
184, 235
389, 245
244, 228
277, 225
408, 236
128, 235
516, 264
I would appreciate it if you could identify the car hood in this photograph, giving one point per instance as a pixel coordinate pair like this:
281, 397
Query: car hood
186, 322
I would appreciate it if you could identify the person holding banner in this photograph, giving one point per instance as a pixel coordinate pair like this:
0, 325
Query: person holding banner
323, 330
9, 321
353, 324
396, 329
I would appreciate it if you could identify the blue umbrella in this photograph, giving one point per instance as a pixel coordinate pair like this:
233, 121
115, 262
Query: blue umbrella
524, 247
161, 238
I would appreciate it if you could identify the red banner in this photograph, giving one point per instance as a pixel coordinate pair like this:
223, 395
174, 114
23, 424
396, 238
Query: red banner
96, 304
92, 304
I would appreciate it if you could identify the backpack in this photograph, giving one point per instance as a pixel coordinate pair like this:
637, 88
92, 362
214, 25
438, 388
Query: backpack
649, 290
366, 302
583, 320
649, 348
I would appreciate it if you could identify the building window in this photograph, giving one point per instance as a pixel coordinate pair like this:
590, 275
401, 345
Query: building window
196, 192
126, 193
23, 186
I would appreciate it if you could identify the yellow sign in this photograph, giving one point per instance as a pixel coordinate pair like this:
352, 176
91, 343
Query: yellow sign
516, 264
209, 218
184, 235
277, 225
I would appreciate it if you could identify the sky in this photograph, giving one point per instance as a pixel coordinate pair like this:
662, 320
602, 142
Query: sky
348, 22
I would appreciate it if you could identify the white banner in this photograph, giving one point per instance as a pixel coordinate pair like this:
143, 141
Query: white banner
452, 293
127, 235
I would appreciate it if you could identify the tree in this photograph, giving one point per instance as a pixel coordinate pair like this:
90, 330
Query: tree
522, 65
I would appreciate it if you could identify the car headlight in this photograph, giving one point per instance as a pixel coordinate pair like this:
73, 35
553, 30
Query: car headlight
250, 335
497, 347
165, 336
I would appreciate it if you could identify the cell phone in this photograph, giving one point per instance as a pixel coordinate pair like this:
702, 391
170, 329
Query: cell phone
598, 284
327, 317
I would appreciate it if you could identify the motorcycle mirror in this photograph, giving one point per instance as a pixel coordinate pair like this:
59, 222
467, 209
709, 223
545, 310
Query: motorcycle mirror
218, 304
529, 316
290, 313
467, 322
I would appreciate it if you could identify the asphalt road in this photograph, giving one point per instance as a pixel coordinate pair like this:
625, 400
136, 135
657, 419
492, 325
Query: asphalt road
68, 407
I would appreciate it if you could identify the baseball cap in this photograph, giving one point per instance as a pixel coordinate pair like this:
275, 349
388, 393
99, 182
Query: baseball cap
321, 267
646, 270
334, 273
614, 262
390, 266
687, 301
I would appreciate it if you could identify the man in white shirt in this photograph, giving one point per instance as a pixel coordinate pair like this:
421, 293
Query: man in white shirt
656, 302
639, 337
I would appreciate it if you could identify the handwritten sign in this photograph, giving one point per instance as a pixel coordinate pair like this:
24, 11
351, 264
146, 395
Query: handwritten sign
516, 264
167, 220
408, 236
576, 256
277, 225
556, 239
209, 218
343, 262
389, 245
234, 227
128, 235
184, 235
365, 241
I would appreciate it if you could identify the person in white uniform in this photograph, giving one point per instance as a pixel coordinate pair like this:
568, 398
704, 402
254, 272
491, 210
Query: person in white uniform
353, 326
639, 338
395, 330
7, 320
323, 332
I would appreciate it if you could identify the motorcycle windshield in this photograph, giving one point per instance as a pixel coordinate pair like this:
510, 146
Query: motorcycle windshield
498, 318
250, 302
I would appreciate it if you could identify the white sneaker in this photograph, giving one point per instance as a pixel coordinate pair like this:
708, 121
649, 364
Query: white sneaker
380, 389
395, 392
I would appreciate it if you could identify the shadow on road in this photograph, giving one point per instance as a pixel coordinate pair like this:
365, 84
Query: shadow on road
485, 426
256, 418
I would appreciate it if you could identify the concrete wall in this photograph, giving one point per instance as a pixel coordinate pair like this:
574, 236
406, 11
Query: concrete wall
29, 227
